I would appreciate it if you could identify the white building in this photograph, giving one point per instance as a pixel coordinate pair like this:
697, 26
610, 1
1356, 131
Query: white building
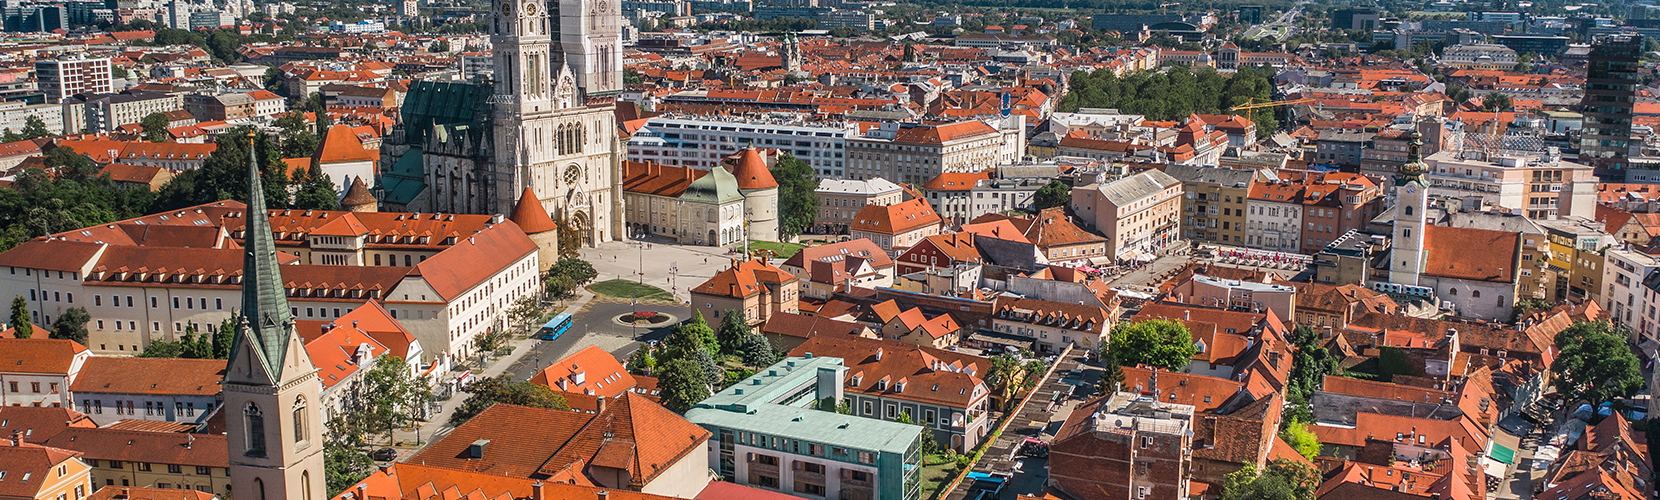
1633, 294
111, 388
39, 371
15, 115
1274, 216
702, 142
72, 74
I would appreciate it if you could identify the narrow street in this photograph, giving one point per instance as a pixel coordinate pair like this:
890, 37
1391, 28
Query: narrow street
1038, 419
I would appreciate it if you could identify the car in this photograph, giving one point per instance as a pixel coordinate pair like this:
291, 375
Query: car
384, 455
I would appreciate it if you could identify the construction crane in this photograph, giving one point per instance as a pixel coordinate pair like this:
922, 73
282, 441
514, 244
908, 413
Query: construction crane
1163, 10
1253, 104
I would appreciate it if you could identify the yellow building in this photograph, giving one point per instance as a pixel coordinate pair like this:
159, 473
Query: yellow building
42, 472
1577, 251
171, 460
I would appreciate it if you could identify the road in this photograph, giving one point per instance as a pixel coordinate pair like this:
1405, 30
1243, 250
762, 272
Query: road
594, 325
669, 266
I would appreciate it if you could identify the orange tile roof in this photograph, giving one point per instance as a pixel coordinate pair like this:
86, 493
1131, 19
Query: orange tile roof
342, 145
955, 181
39, 423
1205, 393
940, 134
166, 376
475, 258
207, 450
408, 481
744, 279
1448, 254
896, 219
928, 375
752, 171
530, 216
27, 459
39, 355
590, 371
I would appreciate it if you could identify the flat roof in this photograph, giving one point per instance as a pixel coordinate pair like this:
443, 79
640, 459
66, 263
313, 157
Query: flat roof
770, 402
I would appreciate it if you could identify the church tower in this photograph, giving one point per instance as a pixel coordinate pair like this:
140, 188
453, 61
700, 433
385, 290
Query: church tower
590, 32
273, 415
1411, 199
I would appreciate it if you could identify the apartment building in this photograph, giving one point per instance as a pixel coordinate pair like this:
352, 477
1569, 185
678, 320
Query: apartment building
1479, 56
755, 288
1632, 280
39, 371
942, 390
72, 74
1275, 216
896, 227
1051, 326
843, 199
1542, 187
57, 474
702, 141
151, 459
15, 115
105, 113
763, 437
448, 278
110, 389
1213, 202
950, 194
914, 153
1137, 214
1098, 447
826, 269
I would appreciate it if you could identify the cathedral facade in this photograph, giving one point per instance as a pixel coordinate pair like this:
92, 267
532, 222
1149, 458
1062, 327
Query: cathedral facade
544, 121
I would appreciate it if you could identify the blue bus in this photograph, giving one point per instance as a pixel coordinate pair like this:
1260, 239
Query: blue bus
556, 326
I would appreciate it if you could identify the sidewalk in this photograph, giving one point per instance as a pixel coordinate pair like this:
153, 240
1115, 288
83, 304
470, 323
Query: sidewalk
438, 425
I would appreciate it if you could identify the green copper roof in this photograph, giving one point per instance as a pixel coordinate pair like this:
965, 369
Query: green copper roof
405, 179
265, 317
777, 401
441, 103
717, 188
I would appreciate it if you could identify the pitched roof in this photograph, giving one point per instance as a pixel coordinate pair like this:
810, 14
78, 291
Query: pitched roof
956, 181
409, 481
745, 278
861, 248
27, 467
170, 376
38, 355
804, 326
661, 180
341, 145
39, 423
752, 171
590, 371
475, 258
1206, 394
896, 219
208, 450
358, 194
1448, 253
144, 493
530, 216
940, 134
908, 371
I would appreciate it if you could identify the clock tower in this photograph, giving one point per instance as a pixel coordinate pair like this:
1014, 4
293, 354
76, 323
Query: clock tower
1411, 199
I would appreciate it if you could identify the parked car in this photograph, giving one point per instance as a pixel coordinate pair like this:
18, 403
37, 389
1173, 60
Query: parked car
384, 455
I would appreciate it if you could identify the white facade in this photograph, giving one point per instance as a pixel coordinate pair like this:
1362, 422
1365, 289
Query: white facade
1631, 298
702, 142
107, 408
72, 74
1273, 226
15, 115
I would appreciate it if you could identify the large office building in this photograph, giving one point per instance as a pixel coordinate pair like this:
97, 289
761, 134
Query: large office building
72, 74
1610, 94
914, 153
770, 433
701, 142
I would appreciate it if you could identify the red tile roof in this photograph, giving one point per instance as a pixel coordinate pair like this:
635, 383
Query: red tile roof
409, 481
1448, 253
531, 217
896, 219
39, 355
32, 460
752, 171
803, 326
590, 371
474, 258
341, 145
744, 279
169, 376
39, 423
955, 181
910, 372
207, 450
940, 134
143, 493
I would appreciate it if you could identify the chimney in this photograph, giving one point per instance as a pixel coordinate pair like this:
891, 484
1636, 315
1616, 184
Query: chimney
17, 438
602, 494
600, 401
1187, 315
538, 491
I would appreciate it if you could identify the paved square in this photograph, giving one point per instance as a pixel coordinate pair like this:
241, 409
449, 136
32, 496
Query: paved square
668, 266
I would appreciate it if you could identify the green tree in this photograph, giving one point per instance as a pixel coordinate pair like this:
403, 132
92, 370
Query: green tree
224, 336
691, 335
758, 351
1054, 194
642, 362
733, 332
392, 398
570, 240
1283, 480
558, 286
713, 374
439, 46
1594, 364
682, 384
1301, 438
34, 128
489, 391
344, 466
580, 271
797, 195
1496, 101
155, 127
1112, 374
929, 445
1158, 343
298, 139
160, 348
71, 325
224, 174
22, 323
316, 191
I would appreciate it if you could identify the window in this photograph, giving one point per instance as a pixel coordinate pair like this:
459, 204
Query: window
174, 469
254, 421
143, 466
203, 471
867, 458
299, 420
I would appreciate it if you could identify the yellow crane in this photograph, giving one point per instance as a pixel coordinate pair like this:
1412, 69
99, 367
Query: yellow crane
1254, 104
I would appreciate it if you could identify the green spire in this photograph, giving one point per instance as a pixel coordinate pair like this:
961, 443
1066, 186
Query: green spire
266, 320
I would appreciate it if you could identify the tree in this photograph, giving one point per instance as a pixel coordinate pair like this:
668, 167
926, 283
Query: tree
642, 362
1301, 438
439, 46
34, 128
298, 139
489, 391
570, 240
22, 323
1112, 376
155, 127
797, 195
316, 191
1594, 364
682, 385
580, 271
558, 286
1283, 480
733, 333
929, 445
1160, 343
392, 397
1054, 194
224, 174
344, 466
713, 374
758, 351
691, 335
1496, 101
224, 336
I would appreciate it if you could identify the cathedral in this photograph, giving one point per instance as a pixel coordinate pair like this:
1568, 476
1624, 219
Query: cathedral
543, 121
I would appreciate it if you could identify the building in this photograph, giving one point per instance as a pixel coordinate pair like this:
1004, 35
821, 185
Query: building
701, 142
1124, 445
1137, 214
950, 195
1610, 93
767, 435
1276, 217
915, 153
1001, 195
760, 193
1050, 325
843, 199
546, 123
595, 373
15, 115
826, 269
105, 113
1482, 285
111, 389
270, 377
787, 331
1213, 201
1356, 18
342, 156
940, 389
58, 474
839, 18
1341, 148
151, 459
39, 371
1480, 56
702, 207
1633, 288
407, 481
896, 227
72, 74
629, 444
753, 287
1545, 45
1576, 256
1544, 188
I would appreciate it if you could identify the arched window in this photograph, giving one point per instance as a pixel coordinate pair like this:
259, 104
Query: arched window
255, 426
259, 484
1409, 209
1452, 292
1476, 294
299, 419
305, 485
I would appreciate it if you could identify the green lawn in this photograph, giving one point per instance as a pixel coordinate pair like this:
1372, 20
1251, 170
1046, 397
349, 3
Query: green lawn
780, 250
625, 289
937, 470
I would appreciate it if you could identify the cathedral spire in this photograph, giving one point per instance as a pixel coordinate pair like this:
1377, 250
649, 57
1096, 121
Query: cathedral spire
1413, 170
266, 320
